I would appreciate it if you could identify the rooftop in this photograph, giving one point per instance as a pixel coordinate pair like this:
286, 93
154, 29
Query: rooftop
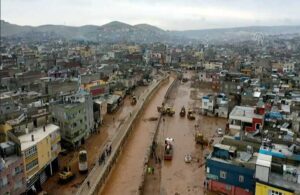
244, 113
39, 134
278, 180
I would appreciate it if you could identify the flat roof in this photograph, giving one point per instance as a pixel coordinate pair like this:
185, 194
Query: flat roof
264, 160
244, 113
38, 134
278, 180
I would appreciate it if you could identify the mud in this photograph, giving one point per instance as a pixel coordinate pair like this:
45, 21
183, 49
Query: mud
126, 176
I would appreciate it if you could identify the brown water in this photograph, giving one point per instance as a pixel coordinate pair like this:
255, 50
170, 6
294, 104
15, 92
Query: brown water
176, 176
126, 176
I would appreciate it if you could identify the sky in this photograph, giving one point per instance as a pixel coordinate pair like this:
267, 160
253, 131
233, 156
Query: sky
165, 14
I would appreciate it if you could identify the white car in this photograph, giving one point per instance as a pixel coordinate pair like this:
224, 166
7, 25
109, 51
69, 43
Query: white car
188, 158
220, 132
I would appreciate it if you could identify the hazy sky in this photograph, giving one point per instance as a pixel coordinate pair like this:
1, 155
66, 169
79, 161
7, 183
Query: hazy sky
166, 14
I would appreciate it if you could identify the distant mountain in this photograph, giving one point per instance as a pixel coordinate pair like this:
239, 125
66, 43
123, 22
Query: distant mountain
238, 33
144, 33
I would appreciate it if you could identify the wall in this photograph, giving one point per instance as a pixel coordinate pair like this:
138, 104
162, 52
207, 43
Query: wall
227, 189
44, 152
232, 174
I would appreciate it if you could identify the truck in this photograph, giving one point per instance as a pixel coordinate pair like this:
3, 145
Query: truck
82, 161
168, 154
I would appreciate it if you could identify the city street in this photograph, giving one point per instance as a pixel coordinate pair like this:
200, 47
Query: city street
176, 176
94, 144
126, 176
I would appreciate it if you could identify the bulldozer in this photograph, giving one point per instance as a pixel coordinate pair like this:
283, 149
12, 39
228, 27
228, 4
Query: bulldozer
170, 111
191, 115
66, 175
199, 139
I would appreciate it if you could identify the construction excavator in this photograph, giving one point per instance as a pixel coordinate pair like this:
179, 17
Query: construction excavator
66, 175
166, 110
199, 139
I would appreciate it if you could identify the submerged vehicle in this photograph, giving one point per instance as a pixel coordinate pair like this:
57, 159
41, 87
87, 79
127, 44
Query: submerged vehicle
191, 115
168, 155
82, 161
182, 111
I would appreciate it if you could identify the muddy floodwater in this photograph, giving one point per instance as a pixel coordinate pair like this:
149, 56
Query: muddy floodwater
126, 176
176, 176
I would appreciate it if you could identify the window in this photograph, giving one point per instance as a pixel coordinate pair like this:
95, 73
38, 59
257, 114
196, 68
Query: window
241, 178
31, 152
31, 165
205, 103
223, 174
274, 192
18, 170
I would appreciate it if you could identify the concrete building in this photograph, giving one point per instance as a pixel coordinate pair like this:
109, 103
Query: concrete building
246, 119
100, 110
281, 180
208, 104
230, 171
12, 174
40, 150
71, 117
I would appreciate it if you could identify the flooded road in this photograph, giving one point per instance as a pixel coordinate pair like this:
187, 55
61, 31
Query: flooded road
126, 176
176, 176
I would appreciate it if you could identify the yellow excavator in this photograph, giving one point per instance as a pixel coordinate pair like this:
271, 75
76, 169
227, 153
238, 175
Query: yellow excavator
166, 110
199, 139
66, 175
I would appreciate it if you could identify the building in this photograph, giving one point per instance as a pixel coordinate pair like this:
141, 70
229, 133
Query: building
208, 104
12, 174
85, 98
100, 110
246, 119
229, 171
96, 88
40, 150
213, 66
272, 178
71, 117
